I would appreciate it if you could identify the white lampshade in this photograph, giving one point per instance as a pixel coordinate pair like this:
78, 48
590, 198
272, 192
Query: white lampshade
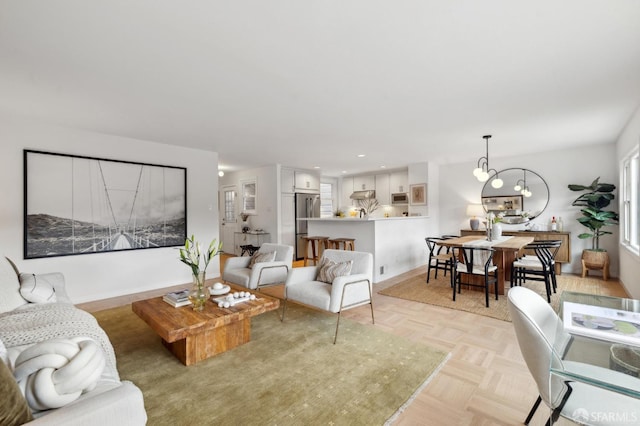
517, 187
483, 176
497, 183
474, 210
477, 171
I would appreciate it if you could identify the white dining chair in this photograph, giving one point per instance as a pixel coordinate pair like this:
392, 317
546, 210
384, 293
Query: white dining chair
543, 342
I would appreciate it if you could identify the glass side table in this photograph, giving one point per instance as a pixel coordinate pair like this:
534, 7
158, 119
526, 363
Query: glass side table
599, 345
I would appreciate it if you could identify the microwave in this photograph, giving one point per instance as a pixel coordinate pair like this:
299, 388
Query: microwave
399, 198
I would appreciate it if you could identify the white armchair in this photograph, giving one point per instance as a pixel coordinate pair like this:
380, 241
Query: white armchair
344, 292
237, 271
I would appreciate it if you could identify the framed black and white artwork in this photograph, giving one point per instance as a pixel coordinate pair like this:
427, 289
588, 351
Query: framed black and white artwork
79, 205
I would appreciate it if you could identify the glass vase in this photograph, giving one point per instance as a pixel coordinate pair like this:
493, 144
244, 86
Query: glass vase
199, 292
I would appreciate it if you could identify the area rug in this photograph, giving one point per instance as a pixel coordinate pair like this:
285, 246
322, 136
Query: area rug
290, 373
438, 292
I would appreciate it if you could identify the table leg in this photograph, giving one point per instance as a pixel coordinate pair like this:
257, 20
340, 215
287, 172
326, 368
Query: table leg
210, 342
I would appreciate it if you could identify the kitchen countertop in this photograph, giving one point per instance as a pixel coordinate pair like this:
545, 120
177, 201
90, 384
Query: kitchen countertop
357, 219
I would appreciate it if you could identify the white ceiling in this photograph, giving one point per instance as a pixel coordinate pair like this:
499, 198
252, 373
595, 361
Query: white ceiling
315, 82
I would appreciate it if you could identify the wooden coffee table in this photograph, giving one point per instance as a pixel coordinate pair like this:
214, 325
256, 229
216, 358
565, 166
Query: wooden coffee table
193, 336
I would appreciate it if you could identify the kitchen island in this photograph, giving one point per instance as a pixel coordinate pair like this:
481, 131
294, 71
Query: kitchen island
397, 243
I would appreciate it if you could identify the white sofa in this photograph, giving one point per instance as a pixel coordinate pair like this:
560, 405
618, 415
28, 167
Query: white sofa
47, 313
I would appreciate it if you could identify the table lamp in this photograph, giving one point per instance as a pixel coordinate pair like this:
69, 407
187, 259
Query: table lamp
475, 210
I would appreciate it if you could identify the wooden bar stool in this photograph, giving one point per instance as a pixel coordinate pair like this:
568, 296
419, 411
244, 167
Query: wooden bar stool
343, 243
314, 243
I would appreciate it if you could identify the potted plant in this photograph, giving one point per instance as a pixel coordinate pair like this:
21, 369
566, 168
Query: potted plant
593, 201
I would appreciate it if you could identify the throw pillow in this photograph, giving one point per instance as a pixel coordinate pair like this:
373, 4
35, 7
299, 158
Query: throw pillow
9, 287
13, 406
330, 270
36, 289
261, 257
56, 372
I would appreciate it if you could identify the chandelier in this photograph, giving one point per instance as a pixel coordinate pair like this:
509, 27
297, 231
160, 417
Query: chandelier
482, 172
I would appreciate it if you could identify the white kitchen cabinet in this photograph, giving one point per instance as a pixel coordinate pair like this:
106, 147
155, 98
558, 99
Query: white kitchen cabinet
287, 181
399, 182
306, 182
345, 193
364, 183
383, 195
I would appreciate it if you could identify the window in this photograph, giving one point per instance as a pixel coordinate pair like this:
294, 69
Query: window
230, 205
249, 194
630, 217
326, 200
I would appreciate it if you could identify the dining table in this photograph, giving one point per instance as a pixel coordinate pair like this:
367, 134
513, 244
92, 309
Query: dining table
506, 250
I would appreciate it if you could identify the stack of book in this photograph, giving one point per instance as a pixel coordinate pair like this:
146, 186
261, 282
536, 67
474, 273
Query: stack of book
177, 298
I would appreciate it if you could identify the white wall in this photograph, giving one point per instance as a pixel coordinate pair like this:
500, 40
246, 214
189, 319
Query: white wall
629, 262
458, 187
103, 275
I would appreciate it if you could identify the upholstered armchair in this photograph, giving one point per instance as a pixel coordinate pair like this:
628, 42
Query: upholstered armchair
341, 280
241, 271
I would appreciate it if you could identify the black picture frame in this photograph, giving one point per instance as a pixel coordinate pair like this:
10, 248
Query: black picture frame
79, 205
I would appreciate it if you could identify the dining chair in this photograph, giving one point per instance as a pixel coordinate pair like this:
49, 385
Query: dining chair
439, 257
543, 343
474, 261
538, 267
342, 280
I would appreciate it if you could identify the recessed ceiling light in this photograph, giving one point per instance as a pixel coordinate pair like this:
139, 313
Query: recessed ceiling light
383, 167
344, 171
316, 167
361, 155
220, 173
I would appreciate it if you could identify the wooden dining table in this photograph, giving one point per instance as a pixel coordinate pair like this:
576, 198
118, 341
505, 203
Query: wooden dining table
506, 250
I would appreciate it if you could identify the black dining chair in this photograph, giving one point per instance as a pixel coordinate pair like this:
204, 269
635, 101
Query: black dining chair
538, 267
474, 261
439, 257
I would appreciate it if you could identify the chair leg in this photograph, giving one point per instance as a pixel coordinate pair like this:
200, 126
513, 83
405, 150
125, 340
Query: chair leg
335, 338
533, 410
486, 289
373, 320
428, 271
284, 308
547, 285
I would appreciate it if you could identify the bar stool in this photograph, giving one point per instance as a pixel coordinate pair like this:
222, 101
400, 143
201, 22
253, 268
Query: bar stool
343, 243
310, 242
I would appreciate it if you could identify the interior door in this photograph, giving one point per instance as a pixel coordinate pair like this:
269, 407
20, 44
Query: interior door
229, 217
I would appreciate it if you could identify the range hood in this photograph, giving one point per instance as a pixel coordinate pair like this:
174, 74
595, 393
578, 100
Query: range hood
363, 195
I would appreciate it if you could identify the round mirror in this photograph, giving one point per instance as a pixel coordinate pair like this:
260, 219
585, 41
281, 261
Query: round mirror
522, 197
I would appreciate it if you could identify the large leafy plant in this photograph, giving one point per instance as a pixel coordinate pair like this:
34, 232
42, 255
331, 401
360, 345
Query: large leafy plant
595, 198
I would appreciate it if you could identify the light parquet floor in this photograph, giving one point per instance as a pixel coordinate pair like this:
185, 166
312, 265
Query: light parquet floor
485, 382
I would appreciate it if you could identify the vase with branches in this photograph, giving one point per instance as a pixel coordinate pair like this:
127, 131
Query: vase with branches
368, 205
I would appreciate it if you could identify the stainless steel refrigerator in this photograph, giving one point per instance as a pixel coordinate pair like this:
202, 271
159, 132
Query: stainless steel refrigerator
307, 205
